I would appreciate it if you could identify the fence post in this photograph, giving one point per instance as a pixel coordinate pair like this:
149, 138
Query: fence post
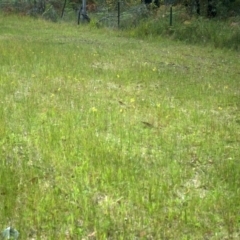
171, 15
82, 13
118, 13
64, 5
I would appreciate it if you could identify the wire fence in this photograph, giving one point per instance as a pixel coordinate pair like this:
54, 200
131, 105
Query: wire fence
109, 13
122, 15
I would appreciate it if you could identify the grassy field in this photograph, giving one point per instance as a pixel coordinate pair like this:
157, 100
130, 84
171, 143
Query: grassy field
108, 137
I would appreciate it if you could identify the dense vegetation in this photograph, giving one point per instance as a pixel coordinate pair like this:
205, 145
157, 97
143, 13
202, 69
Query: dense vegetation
104, 136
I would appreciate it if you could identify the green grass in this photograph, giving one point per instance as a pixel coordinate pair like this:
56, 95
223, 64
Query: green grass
108, 137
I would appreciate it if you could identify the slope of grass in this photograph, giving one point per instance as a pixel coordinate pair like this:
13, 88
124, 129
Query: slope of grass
107, 137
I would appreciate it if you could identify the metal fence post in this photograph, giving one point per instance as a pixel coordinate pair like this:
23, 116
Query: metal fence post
118, 13
171, 15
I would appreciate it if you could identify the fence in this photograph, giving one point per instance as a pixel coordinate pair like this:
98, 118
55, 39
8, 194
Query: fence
23, 5
110, 13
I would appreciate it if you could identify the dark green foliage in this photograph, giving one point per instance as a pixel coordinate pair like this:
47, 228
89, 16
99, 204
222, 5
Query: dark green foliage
218, 33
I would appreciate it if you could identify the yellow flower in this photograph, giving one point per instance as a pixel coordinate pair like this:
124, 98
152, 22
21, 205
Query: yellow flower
158, 105
132, 100
154, 69
93, 109
118, 76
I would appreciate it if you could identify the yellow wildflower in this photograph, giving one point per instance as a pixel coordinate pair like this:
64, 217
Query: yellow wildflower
93, 109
